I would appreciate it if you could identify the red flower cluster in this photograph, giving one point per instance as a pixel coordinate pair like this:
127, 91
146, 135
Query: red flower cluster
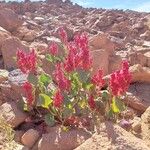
28, 91
58, 99
72, 60
26, 62
91, 102
62, 81
78, 56
63, 35
53, 49
120, 80
98, 80
82, 44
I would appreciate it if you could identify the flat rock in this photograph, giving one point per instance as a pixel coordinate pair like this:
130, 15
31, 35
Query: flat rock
113, 137
145, 125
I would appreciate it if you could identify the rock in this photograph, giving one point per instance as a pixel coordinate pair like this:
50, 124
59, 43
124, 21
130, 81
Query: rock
145, 125
9, 20
18, 135
12, 88
136, 126
100, 60
39, 46
3, 36
58, 139
113, 137
147, 55
115, 62
102, 41
30, 137
138, 58
39, 20
140, 74
136, 103
146, 35
9, 49
30, 36
12, 114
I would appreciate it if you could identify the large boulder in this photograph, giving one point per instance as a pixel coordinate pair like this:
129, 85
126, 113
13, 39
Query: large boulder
100, 60
3, 35
57, 139
9, 20
113, 137
146, 126
103, 41
12, 114
9, 49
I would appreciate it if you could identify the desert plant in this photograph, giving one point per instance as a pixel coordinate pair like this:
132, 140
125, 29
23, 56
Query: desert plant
71, 91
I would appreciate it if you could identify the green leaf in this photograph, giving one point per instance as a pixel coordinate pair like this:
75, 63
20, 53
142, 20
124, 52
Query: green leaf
115, 107
49, 58
44, 101
45, 79
105, 95
33, 79
110, 113
49, 119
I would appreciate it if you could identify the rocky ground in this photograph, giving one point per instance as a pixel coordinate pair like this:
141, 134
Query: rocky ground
114, 35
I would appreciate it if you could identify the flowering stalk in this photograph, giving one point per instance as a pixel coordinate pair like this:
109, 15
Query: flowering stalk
26, 62
29, 92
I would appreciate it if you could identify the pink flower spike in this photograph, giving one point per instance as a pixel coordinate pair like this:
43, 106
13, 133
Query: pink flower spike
53, 49
58, 99
63, 35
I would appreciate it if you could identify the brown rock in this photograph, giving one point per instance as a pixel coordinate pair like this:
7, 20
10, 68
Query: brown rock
30, 137
100, 60
9, 20
58, 139
135, 103
113, 137
102, 41
9, 49
146, 35
140, 74
115, 62
30, 36
146, 126
3, 35
147, 55
18, 135
136, 126
12, 114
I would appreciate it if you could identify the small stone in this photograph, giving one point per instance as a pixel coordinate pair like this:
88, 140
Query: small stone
30, 137
136, 126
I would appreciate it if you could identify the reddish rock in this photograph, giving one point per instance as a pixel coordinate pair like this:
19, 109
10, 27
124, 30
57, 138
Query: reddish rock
100, 60
30, 137
9, 20
9, 49
113, 137
146, 126
12, 114
58, 139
